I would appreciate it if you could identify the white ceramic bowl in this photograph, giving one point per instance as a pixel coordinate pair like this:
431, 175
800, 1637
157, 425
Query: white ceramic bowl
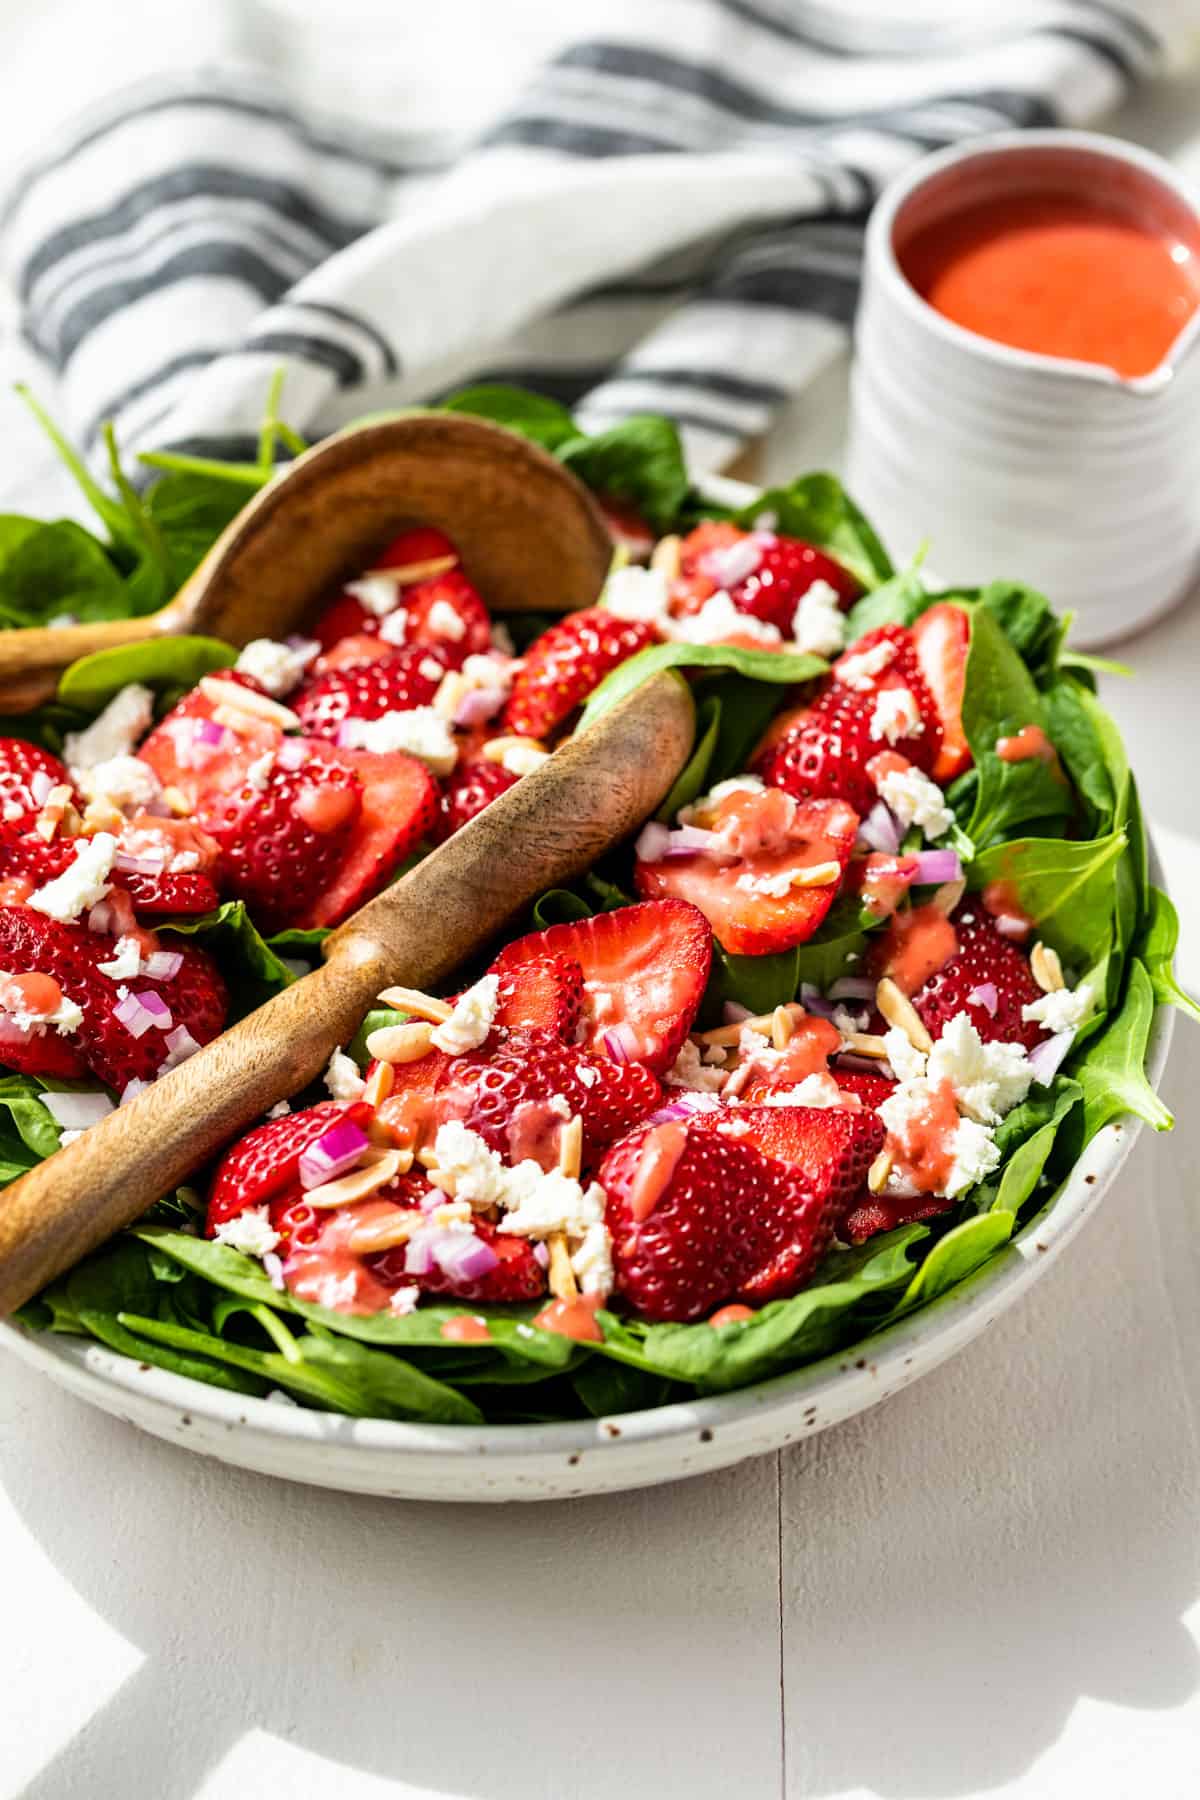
1056, 472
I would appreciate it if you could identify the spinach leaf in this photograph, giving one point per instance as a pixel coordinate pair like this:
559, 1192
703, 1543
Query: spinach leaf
559, 906
534, 416
378, 1019
960, 1253
48, 569
1026, 1137
253, 970
1111, 1070
999, 699
1067, 888
747, 708
639, 461
764, 982
91, 682
1029, 623
1156, 948
780, 668
898, 601
190, 511
818, 509
692, 779
613, 1387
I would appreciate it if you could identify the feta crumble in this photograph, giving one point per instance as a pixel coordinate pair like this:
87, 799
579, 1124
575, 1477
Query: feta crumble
592, 1261
473, 1016
250, 1232
523, 759
277, 667
466, 1167
125, 962
719, 619
342, 1079
545, 1204
915, 800
688, 1071
908, 1063
377, 593
124, 721
814, 1090
988, 1079
895, 716
819, 625
124, 782
1064, 1010
445, 621
860, 671
639, 594
421, 732
773, 887
394, 629
83, 884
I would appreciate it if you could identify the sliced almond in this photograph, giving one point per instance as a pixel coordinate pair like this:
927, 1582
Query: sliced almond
248, 700
412, 1000
1046, 968
570, 1148
900, 1012
864, 1043
178, 801
763, 1024
782, 1028
405, 574
949, 894
378, 1168
817, 875
379, 1084
880, 1169
452, 691
667, 557
560, 1276
401, 1043
385, 1233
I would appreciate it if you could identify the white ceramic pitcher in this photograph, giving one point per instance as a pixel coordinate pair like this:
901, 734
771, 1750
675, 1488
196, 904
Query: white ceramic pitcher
1055, 472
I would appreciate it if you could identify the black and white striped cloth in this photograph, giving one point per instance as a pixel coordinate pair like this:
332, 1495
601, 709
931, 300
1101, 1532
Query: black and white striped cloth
664, 221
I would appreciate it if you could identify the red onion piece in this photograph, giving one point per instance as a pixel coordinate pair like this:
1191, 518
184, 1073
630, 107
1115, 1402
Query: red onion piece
180, 1045
986, 995
651, 846
207, 731
1047, 1058
541, 1255
863, 1065
273, 1270
480, 705
620, 1043
732, 1013
732, 564
152, 864
131, 1090
418, 1252
692, 840
461, 1256
936, 866
75, 1112
163, 965
138, 1018
683, 1107
40, 787
338, 1150
813, 1001
852, 987
880, 830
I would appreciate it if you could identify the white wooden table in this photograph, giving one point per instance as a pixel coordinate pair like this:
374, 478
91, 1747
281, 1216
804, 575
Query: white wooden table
990, 1585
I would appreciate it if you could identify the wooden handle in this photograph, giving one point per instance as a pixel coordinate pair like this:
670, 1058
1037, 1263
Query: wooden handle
543, 831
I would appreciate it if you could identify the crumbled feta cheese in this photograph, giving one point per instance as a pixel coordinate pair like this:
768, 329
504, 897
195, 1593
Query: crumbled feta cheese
988, 1079
334, 1291
468, 1025
588, 1076
404, 1301
774, 887
65, 1017
560, 1106
1064, 1010
688, 1071
445, 621
377, 593
719, 619
125, 962
814, 1090
258, 775
592, 1261
975, 1157
251, 1232
847, 1022
280, 1110
467, 1167
861, 670
421, 732
82, 884
895, 716
118, 728
640, 594
277, 667
907, 1062
431, 668
819, 625
342, 1079
551, 1203
124, 782
394, 629
915, 800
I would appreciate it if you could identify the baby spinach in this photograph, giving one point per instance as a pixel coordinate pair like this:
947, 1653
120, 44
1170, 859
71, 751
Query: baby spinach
57, 568
692, 779
1111, 1069
253, 970
897, 601
166, 662
763, 982
960, 1253
780, 668
534, 416
1067, 888
999, 700
1156, 947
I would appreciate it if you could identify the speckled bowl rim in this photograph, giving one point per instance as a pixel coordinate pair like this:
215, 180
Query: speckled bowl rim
781, 1409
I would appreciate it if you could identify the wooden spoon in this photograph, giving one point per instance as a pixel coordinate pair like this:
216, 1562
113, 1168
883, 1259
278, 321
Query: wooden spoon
546, 829
530, 536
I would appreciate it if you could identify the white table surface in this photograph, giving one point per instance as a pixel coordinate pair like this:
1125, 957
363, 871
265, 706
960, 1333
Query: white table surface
991, 1585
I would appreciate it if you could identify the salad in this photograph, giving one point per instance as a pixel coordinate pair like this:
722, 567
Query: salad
790, 1064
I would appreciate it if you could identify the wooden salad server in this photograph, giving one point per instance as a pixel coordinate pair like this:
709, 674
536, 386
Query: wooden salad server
530, 535
548, 828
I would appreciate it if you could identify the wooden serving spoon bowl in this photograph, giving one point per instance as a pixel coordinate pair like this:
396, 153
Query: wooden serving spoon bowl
530, 536
548, 828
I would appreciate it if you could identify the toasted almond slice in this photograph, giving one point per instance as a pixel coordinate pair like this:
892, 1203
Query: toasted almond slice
880, 1169
401, 1043
899, 1011
817, 875
763, 1024
248, 700
1046, 968
864, 1043
379, 1084
178, 802
385, 1233
496, 749
949, 894
570, 1148
405, 574
782, 1028
452, 691
412, 1000
377, 1169
560, 1277
667, 557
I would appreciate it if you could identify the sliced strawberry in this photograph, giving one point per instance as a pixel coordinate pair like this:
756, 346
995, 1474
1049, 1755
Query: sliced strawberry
286, 841
407, 679
409, 1112
562, 667
984, 959
158, 895
746, 885
188, 752
27, 854
447, 612
266, 1162
359, 646
504, 1092
871, 1089
825, 754
472, 786
30, 1046
627, 529
833, 1145
773, 588
347, 616
27, 773
699, 1219
942, 636
645, 969
517, 1276
399, 810
419, 544
884, 1212
543, 994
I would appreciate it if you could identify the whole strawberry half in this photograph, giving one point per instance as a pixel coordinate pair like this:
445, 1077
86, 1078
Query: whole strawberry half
163, 894
562, 667
543, 994
266, 1162
924, 746
283, 843
708, 1220
471, 787
833, 1146
942, 637
399, 810
874, 1213
27, 771
446, 612
27, 854
645, 969
984, 959
398, 683
494, 1089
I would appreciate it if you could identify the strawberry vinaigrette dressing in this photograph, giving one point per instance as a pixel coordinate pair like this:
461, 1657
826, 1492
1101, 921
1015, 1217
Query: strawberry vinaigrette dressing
573, 1318
925, 1158
916, 945
468, 1328
1060, 274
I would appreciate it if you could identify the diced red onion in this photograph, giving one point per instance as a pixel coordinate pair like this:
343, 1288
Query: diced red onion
936, 866
692, 840
852, 987
986, 995
480, 705
813, 1001
137, 1017
880, 830
180, 1045
733, 1012
1010, 926
163, 965
620, 1043
652, 845
1047, 1058
75, 1112
292, 754
151, 864
683, 1107
336, 1151
541, 1255
864, 1065
154, 1003
418, 1252
733, 563
40, 787
461, 1256
132, 1089
207, 731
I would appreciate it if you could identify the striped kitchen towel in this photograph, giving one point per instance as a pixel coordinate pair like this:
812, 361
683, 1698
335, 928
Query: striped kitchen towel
668, 218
